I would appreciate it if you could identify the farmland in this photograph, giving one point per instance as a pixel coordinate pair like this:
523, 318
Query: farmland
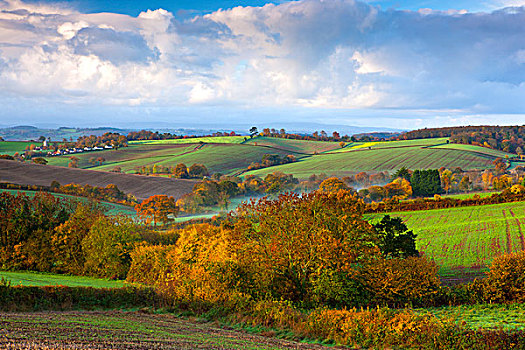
295, 146
226, 158
344, 163
11, 147
232, 155
467, 236
126, 330
27, 278
140, 186
211, 139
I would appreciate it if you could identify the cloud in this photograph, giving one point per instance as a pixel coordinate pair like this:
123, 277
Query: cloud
340, 54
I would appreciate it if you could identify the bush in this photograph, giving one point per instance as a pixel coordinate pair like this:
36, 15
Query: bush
506, 279
22, 298
376, 328
400, 282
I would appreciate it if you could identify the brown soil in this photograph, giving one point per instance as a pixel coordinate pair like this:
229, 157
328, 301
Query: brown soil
140, 186
125, 330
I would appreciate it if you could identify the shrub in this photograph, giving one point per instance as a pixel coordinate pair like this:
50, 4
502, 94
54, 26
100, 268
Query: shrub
400, 282
506, 279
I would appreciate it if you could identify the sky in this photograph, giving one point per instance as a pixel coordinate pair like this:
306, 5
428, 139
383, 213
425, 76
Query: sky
393, 64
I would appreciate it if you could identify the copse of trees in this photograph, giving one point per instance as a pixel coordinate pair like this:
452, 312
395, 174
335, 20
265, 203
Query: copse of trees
505, 138
271, 160
180, 171
311, 249
425, 183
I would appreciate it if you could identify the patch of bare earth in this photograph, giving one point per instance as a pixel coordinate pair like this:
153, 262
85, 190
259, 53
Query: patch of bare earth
140, 186
125, 330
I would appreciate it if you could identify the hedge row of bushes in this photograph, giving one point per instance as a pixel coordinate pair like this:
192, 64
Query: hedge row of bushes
23, 298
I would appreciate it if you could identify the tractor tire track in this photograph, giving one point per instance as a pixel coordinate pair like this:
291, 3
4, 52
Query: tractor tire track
507, 230
518, 223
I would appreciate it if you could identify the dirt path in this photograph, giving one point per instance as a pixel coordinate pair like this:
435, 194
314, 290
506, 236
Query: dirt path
125, 330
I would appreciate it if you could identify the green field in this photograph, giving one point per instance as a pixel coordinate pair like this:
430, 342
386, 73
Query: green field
344, 163
472, 148
25, 278
295, 146
226, 158
112, 208
232, 155
468, 195
11, 147
467, 236
221, 139
487, 316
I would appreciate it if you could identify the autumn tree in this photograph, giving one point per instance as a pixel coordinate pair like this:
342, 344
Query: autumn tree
157, 208
180, 171
66, 241
73, 162
198, 171
447, 179
303, 247
487, 177
332, 185
108, 245
464, 184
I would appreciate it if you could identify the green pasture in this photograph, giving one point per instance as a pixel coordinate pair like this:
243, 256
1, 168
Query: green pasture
466, 236
294, 146
26, 278
381, 159
486, 316
478, 149
221, 139
224, 158
128, 158
112, 208
469, 195
353, 146
11, 147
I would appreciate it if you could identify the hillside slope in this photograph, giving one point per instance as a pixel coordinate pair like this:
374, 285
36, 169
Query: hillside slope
140, 186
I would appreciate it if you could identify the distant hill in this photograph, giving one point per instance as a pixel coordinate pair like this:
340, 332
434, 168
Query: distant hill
27, 132
140, 186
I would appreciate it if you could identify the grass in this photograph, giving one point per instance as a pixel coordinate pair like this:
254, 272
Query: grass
232, 155
472, 148
487, 316
222, 139
467, 236
11, 147
125, 330
26, 278
375, 160
468, 195
112, 208
295, 146
224, 158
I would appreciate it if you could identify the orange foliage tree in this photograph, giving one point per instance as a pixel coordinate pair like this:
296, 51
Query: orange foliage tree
157, 208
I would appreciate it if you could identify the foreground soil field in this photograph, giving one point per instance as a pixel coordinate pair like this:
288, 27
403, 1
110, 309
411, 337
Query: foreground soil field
125, 330
140, 186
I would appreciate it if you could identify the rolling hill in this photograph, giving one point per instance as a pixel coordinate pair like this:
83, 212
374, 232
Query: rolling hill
140, 186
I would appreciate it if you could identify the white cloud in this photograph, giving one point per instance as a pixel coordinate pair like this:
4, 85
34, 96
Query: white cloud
311, 53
